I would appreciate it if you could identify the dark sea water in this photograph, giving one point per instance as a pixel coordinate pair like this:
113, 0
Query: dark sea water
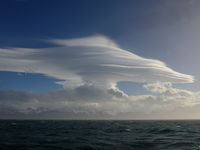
99, 135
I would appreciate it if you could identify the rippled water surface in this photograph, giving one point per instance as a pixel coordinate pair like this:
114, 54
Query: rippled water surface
99, 135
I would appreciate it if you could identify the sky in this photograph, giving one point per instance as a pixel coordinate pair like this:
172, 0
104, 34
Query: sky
103, 59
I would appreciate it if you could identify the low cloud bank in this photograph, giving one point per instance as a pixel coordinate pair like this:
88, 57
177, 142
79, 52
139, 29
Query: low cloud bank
96, 103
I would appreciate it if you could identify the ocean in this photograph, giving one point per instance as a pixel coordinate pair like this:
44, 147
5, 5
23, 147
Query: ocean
99, 135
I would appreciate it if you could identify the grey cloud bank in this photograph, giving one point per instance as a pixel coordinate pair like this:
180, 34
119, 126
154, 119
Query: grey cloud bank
88, 102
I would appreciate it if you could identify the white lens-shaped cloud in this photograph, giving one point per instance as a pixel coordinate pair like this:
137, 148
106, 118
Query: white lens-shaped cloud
94, 60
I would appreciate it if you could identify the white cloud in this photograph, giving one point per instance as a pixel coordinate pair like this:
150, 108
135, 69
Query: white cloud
168, 93
94, 60
93, 66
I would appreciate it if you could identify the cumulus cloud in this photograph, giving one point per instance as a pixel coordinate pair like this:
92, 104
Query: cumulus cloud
92, 102
185, 97
94, 60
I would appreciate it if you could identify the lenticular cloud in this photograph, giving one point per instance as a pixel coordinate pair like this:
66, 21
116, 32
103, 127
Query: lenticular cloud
94, 60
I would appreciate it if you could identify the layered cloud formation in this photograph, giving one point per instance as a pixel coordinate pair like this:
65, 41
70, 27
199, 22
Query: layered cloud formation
94, 60
89, 69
